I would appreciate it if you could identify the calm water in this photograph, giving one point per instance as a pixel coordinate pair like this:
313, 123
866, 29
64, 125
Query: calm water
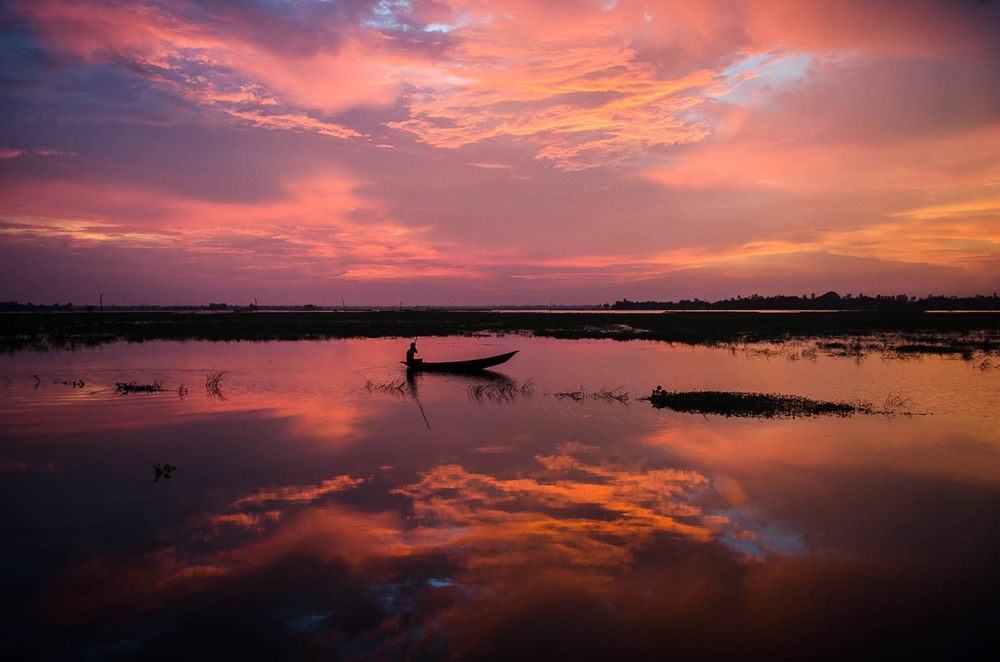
312, 518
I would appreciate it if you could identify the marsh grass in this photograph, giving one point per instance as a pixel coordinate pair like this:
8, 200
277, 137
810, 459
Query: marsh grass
979, 332
124, 388
213, 384
501, 391
614, 395
766, 405
970, 346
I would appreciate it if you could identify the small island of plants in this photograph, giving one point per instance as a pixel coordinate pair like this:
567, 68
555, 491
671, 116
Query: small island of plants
756, 405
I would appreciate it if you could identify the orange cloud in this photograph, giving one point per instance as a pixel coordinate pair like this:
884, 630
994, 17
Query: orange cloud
579, 97
508, 521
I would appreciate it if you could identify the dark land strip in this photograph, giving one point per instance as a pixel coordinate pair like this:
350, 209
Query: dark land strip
903, 333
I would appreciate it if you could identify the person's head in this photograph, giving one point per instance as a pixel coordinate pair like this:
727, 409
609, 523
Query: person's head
413, 345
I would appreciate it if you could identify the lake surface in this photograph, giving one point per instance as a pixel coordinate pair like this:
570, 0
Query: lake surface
313, 517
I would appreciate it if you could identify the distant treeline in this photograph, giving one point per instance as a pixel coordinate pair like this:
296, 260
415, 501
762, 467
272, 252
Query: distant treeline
828, 301
15, 307
18, 307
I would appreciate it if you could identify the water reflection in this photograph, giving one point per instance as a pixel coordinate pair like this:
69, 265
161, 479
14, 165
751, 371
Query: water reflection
312, 518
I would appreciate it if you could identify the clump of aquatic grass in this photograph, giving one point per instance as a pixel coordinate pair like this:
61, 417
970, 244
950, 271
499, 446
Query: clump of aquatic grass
213, 383
124, 388
764, 351
162, 471
893, 403
182, 391
617, 394
806, 354
754, 405
391, 386
500, 391
753, 349
791, 349
74, 383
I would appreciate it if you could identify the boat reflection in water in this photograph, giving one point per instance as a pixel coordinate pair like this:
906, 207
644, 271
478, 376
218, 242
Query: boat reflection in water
310, 519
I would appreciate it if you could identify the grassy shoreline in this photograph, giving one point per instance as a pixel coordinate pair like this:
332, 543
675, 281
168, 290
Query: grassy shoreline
930, 333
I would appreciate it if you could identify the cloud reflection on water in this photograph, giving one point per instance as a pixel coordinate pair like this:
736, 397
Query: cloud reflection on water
317, 525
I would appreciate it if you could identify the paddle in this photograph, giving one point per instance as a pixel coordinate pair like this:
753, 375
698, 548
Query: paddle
411, 383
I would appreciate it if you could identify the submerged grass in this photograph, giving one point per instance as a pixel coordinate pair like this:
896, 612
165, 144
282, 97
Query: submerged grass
764, 405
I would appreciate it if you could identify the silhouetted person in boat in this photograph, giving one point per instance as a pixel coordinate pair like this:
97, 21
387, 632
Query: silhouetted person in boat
410, 352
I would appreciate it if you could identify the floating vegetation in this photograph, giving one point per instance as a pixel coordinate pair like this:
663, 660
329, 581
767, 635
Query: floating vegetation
213, 384
608, 396
182, 391
124, 388
764, 405
162, 471
501, 391
73, 383
969, 346
393, 385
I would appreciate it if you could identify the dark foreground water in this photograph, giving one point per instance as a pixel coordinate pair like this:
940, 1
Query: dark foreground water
312, 517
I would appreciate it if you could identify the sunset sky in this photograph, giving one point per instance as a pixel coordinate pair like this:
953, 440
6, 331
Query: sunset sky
442, 152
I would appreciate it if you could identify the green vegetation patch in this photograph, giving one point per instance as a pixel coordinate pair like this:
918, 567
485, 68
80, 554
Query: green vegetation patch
754, 405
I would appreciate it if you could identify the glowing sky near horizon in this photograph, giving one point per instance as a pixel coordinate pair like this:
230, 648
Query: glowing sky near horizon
496, 151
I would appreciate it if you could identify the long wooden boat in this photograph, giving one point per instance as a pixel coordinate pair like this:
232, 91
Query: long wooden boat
472, 365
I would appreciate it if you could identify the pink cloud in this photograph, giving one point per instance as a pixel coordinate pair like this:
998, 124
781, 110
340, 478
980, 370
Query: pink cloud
511, 148
225, 60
